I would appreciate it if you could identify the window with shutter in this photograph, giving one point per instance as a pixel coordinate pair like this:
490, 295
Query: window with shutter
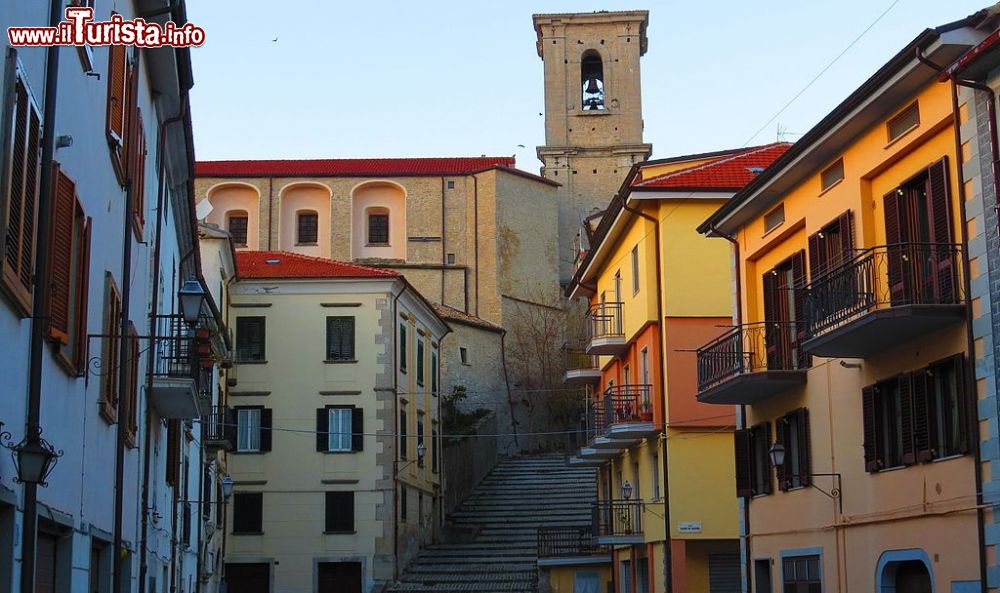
117, 65
403, 437
947, 408
340, 423
131, 395
888, 423
110, 349
250, 339
173, 452
831, 246
22, 170
870, 420
357, 429
939, 215
760, 461
138, 175
340, 339
434, 450
420, 436
741, 443
402, 347
308, 228
434, 371
339, 512
248, 513
420, 361
784, 312
793, 434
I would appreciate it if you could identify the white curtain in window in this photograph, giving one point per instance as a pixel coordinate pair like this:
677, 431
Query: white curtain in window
586, 582
340, 429
248, 430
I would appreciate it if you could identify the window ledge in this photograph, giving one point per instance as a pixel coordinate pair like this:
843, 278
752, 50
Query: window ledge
831, 186
589, 112
247, 452
247, 533
352, 532
948, 457
335, 452
251, 361
378, 245
309, 244
902, 135
352, 361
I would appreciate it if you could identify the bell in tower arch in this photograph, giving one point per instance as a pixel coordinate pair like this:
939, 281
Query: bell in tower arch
592, 77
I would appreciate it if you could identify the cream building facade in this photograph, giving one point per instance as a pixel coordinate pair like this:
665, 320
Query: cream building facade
337, 462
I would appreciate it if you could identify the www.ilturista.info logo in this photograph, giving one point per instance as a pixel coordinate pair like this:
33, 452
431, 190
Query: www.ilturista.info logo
79, 28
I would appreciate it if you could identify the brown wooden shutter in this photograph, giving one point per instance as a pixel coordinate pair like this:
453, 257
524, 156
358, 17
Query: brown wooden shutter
81, 344
799, 281
846, 224
117, 59
173, 452
22, 198
771, 331
816, 256
781, 436
110, 351
966, 406
744, 481
906, 414
805, 448
357, 429
768, 485
323, 429
132, 397
939, 215
265, 429
922, 424
139, 174
894, 252
870, 422
63, 227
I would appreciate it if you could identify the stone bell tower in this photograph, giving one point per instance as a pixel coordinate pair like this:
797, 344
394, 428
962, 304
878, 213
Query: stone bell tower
593, 110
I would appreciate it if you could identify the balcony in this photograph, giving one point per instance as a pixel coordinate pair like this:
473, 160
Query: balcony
884, 296
628, 413
219, 429
581, 368
175, 364
618, 522
605, 334
567, 546
750, 363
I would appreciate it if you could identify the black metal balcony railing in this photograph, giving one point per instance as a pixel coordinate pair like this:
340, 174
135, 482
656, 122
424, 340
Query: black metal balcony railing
578, 360
568, 541
617, 518
174, 348
626, 403
748, 348
595, 420
885, 276
604, 320
219, 425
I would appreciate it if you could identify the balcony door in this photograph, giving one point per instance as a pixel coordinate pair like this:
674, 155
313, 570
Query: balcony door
784, 314
919, 239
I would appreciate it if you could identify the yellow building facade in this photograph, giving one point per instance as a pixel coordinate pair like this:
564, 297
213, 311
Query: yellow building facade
655, 289
849, 361
336, 466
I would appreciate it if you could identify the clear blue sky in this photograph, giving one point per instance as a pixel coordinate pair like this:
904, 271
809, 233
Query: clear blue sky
462, 78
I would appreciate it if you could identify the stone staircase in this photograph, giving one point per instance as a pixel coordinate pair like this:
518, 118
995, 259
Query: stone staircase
504, 512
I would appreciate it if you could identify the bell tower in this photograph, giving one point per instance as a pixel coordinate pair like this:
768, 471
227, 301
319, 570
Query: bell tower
593, 109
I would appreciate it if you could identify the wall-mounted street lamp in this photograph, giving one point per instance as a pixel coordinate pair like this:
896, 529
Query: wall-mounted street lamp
626, 490
777, 454
191, 297
34, 457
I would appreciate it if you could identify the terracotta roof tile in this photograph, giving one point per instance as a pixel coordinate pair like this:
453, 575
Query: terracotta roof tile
725, 173
452, 314
398, 167
282, 264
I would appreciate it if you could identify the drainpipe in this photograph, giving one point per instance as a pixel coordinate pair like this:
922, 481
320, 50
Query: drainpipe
40, 287
475, 224
154, 305
970, 378
444, 256
970, 371
395, 432
668, 556
124, 351
741, 422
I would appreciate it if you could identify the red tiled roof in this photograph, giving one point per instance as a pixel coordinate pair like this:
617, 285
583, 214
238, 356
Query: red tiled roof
350, 167
452, 314
725, 173
282, 264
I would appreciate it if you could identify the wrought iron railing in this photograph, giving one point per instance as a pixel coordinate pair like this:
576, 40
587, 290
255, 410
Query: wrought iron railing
604, 320
748, 348
594, 420
578, 360
568, 541
884, 276
219, 425
626, 403
174, 348
618, 517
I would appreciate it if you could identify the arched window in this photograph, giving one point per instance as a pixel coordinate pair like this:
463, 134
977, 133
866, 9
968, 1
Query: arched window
378, 226
592, 81
307, 227
236, 223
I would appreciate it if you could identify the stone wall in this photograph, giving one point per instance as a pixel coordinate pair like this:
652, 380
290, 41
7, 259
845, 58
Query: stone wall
467, 462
